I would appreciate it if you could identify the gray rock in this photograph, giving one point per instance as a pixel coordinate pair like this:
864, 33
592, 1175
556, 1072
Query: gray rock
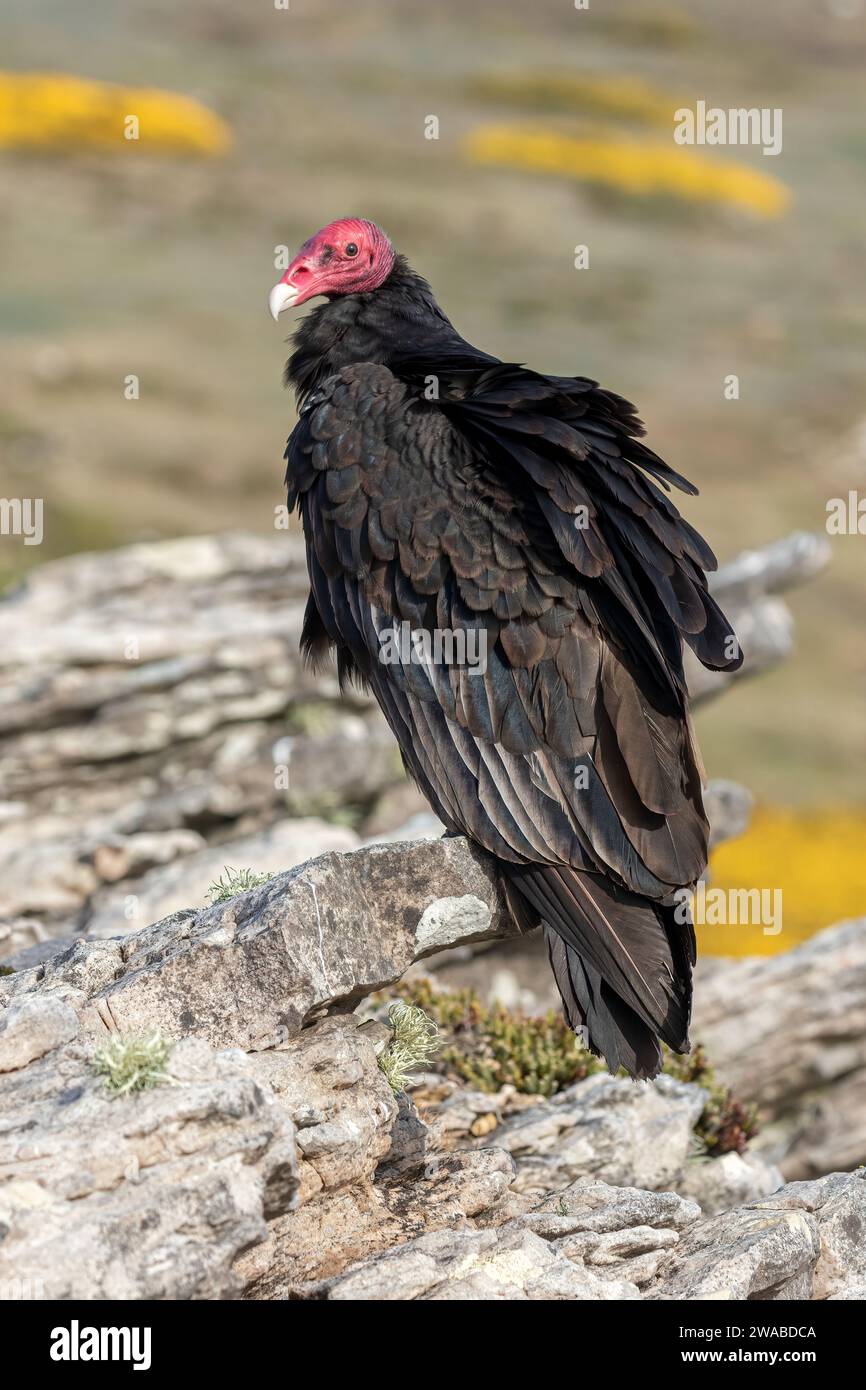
821, 1130
717, 1184
510, 1263
626, 1133
635, 1254
161, 891
342, 1107
40, 951
274, 1161
769, 1051
342, 1225
747, 589
367, 1179
808, 1240
147, 1196
599, 1127
152, 693
596, 1207
349, 761
32, 1026
729, 809
251, 972
593, 1241
395, 807
802, 1061
744, 1254
616, 1232
838, 1203
590, 1242
19, 935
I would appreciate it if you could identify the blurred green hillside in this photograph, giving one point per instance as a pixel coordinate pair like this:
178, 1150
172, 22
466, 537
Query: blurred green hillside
136, 262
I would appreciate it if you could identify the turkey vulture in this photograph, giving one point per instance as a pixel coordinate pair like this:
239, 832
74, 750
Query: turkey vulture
447, 494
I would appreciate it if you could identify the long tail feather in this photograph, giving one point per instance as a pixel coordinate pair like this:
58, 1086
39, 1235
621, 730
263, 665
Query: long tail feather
622, 963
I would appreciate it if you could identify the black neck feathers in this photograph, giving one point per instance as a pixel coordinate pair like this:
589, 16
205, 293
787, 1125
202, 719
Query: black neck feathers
399, 317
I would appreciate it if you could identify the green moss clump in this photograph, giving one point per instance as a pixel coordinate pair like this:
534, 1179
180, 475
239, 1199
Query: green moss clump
726, 1125
234, 882
132, 1063
313, 717
491, 1047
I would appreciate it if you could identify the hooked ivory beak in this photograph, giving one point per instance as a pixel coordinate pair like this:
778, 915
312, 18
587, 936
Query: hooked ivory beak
281, 297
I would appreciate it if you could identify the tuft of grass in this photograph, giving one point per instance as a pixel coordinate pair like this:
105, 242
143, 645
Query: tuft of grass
489, 1047
133, 1063
414, 1043
235, 881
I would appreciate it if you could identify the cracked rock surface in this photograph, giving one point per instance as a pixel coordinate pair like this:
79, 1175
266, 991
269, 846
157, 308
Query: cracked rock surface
273, 1160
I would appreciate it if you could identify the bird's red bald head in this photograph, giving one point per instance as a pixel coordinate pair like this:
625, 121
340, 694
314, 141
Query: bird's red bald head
349, 256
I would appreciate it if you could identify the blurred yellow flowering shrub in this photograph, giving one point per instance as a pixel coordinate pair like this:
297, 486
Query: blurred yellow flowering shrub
627, 98
638, 167
817, 859
58, 111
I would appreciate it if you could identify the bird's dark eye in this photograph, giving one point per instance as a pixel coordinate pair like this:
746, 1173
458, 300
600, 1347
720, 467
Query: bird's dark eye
351, 249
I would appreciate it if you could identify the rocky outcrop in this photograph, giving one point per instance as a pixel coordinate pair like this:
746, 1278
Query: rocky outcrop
139, 901
157, 727
154, 705
511, 1262
602, 1128
253, 971
293, 1172
607, 1128
149, 1196
272, 1160
787, 1032
805, 1241
592, 1241
802, 1053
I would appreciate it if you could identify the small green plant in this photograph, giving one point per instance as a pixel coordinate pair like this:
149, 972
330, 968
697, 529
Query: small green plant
414, 1044
490, 1047
726, 1125
313, 717
235, 881
133, 1063
6, 970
